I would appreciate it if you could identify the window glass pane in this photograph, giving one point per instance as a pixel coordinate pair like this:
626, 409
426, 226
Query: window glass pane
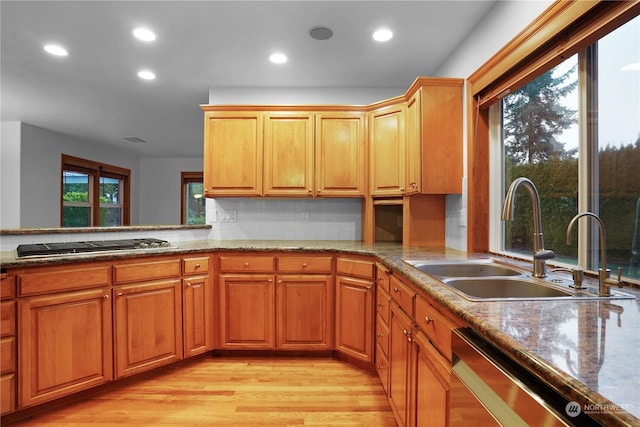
195, 203
110, 202
76, 210
540, 142
619, 148
76, 216
110, 217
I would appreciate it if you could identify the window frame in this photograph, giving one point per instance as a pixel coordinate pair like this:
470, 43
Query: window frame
95, 170
562, 30
187, 178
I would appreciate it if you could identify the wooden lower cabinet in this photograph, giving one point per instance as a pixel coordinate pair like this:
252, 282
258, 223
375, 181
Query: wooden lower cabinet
431, 386
247, 311
197, 315
304, 314
148, 325
65, 344
400, 359
354, 317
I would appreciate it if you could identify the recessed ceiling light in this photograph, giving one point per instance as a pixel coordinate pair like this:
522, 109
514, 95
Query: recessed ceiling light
144, 34
146, 75
56, 50
382, 35
278, 58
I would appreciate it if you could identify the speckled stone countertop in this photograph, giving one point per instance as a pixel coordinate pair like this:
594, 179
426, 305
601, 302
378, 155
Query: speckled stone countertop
589, 350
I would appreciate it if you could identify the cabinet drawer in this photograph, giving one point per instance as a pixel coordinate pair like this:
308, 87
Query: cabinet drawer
246, 264
435, 326
382, 335
7, 393
383, 277
7, 355
143, 271
302, 264
7, 286
8, 318
355, 267
403, 295
383, 305
195, 265
65, 279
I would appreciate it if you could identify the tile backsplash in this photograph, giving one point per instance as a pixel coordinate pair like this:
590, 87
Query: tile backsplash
285, 219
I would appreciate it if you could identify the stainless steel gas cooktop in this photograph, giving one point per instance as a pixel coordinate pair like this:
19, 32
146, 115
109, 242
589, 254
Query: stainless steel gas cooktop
67, 248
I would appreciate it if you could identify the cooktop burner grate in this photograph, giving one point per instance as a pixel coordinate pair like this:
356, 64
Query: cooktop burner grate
64, 248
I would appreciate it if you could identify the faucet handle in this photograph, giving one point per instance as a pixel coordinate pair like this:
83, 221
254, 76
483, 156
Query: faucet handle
620, 282
544, 254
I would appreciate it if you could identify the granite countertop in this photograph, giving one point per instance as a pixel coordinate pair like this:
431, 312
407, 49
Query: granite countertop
589, 350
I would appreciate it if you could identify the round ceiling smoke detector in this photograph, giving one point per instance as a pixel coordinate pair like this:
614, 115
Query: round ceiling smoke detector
320, 33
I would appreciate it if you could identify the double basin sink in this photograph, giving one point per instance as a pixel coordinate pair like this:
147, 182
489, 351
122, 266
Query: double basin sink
488, 280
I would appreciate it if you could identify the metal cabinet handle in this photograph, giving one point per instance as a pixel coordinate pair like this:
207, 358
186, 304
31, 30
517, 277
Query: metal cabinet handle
279, 281
427, 320
197, 265
106, 296
188, 284
304, 265
246, 264
396, 290
368, 288
119, 294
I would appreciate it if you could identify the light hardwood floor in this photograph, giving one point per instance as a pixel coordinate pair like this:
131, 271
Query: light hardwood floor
224, 391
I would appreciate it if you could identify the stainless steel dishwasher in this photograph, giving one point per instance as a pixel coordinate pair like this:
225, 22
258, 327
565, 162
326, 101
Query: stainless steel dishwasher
489, 389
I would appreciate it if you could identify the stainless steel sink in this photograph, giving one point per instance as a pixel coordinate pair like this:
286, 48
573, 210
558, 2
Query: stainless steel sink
479, 268
487, 280
505, 288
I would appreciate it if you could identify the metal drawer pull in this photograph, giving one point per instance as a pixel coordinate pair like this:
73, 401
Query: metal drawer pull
427, 319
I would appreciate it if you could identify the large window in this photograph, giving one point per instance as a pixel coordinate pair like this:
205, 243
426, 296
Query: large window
93, 194
575, 132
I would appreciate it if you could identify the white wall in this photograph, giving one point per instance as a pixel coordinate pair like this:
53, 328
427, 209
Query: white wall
40, 174
503, 22
160, 188
301, 96
10, 174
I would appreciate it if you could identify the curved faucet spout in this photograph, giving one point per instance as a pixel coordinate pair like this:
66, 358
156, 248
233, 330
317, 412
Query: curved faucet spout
540, 254
603, 273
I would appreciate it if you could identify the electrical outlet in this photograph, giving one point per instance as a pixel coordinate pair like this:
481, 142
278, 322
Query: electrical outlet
304, 216
227, 216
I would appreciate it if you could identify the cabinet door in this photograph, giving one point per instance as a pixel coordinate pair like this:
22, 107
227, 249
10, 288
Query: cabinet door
354, 317
432, 379
340, 154
197, 313
387, 151
400, 327
441, 136
288, 154
233, 153
304, 312
148, 325
413, 183
64, 344
247, 311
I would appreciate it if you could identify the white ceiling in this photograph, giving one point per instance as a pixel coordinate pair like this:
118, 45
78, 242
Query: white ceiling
94, 92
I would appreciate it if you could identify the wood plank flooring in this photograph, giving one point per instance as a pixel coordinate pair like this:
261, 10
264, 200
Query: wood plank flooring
230, 391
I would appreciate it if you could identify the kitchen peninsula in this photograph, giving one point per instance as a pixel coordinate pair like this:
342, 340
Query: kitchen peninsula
586, 350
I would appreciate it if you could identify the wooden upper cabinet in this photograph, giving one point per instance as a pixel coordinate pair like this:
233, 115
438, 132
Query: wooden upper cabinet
434, 137
233, 153
288, 154
387, 150
340, 154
